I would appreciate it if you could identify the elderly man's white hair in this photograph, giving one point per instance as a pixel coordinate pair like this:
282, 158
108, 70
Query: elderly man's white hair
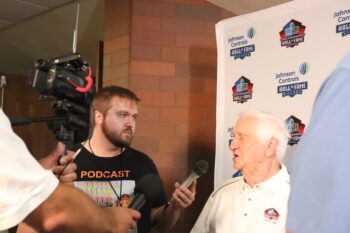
269, 127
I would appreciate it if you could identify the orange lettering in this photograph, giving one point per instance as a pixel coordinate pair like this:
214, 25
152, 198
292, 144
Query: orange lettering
98, 174
82, 174
114, 174
91, 174
106, 174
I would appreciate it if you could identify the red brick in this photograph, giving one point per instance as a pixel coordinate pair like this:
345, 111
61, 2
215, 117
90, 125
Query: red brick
182, 115
117, 82
116, 44
158, 129
195, 41
209, 27
202, 55
116, 72
195, 131
163, 160
146, 23
224, 14
195, 100
181, 85
195, 71
144, 83
152, 98
107, 60
173, 145
148, 8
211, 117
197, 12
183, 25
210, 86
190, 2
115, 11
153, 38
119, 29
146, 144
170, 176
148, 113
145, 52
152, 68
175, 54
198, 149
120, 57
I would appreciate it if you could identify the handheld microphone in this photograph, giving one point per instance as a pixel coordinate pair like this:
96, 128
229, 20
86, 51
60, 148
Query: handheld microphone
148, 188
199, 169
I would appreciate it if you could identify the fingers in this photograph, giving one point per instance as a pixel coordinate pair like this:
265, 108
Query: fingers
124, 218
135, 214
67, 158
51, 159
66, 174
183, 196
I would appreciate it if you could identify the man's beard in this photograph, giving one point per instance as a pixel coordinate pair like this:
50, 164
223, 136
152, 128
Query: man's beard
115, 139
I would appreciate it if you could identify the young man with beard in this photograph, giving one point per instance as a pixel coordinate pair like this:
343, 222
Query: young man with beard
108, 168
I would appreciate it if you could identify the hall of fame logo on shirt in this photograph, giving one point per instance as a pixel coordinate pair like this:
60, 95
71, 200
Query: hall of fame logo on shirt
295, 128
342, 18
242, 90
292, 34
240, 46
271, 215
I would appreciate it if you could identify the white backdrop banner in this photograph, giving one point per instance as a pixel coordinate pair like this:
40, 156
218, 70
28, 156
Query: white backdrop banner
275, 60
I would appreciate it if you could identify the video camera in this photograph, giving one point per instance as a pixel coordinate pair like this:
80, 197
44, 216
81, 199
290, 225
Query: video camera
67, 81
61, 77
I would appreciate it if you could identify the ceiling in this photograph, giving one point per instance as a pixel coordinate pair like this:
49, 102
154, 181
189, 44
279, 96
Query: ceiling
15, 11
32, 29
241, 7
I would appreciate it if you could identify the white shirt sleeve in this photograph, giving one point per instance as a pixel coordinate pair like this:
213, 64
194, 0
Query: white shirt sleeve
203, 222
24, 184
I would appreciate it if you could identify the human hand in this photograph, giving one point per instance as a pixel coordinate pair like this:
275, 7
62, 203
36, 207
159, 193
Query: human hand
65, 172
123, 218
51, 160
183, 197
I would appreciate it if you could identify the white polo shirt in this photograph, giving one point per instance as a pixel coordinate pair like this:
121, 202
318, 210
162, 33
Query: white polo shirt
235, 207
24, 184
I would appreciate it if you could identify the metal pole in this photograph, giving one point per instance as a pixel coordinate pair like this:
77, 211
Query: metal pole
2, 86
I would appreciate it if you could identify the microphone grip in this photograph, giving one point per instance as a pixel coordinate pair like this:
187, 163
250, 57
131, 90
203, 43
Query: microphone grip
189, 179
138, 201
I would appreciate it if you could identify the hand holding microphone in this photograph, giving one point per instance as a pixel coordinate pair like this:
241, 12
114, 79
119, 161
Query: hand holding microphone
185, 193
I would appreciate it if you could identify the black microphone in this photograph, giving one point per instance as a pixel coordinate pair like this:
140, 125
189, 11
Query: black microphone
200, 168
148, 188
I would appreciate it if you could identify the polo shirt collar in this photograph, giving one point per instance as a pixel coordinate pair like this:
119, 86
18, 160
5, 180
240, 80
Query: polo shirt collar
271, 185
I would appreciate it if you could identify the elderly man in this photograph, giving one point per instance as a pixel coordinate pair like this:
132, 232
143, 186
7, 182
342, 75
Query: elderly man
257, 201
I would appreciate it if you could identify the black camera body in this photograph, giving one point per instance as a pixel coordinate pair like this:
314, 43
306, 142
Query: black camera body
65, 80
60, 76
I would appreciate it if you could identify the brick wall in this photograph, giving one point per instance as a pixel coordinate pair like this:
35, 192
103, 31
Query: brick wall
172, 68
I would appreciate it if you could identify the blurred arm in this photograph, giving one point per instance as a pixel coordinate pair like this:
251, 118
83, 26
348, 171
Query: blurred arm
69, 210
